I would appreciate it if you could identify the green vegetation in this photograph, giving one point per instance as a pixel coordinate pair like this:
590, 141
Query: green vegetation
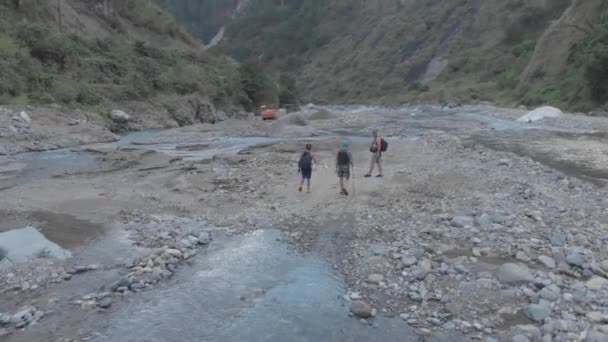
41, 64
584, 84
278, 34
201, 17
592, 55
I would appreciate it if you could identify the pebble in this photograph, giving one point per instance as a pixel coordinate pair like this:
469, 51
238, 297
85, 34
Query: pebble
558, 239
547, 261
408, 260
375, 278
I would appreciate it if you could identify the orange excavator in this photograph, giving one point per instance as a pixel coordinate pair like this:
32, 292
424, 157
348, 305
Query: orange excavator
268, 113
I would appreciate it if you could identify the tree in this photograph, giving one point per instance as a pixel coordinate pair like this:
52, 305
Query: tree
60, 15
288, 94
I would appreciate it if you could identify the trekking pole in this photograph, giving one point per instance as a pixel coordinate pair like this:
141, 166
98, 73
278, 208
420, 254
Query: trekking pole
354, 192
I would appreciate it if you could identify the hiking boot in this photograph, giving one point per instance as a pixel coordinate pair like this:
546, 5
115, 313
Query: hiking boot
345, 193
300, 189
379, 176
367, 175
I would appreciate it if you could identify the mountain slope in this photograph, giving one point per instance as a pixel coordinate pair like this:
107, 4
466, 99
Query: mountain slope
507, 51
93, 53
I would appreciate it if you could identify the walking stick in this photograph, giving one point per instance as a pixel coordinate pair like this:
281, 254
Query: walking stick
354, 192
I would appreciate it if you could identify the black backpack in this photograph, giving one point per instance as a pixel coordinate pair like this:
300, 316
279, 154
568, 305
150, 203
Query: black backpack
383, 145
343, 158
305, 162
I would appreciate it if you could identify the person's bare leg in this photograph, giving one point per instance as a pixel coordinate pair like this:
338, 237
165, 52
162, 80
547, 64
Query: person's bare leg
380, 166
301, 184
308, 185
371, 165
341, 184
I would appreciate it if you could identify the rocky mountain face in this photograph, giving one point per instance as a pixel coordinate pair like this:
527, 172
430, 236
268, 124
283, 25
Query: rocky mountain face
506, 51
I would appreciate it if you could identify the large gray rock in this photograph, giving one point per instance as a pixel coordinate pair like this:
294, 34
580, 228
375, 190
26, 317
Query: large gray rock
5, 318
547, 261
463, 221
550, 293
604, 265
541, 113
204, 238
379, 249
484, 221
119, 116
538, 312
576, 259
558, 239
596, 336
361, 309
596, 283
375, 278
408, 260
514, 274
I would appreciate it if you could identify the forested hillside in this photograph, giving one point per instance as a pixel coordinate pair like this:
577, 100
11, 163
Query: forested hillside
507, 51
90, 53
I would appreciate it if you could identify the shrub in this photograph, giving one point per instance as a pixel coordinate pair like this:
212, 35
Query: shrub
66, 91
507, 80
524, 49
87, 95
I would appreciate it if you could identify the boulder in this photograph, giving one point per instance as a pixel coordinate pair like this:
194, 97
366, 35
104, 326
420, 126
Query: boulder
547, 261
541, 113
361, 309
596, 283
119, 116
538, 312
463, 221
24, 117
576, 259
514, 274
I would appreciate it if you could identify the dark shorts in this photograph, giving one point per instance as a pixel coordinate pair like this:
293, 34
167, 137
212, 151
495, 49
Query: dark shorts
306, 173
344, 174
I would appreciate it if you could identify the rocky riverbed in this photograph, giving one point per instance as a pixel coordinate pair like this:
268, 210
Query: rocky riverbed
467, 237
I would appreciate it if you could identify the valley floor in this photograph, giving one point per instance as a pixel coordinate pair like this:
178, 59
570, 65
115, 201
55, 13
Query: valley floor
483, 228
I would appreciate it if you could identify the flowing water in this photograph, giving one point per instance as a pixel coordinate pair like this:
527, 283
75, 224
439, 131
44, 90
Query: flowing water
250, 288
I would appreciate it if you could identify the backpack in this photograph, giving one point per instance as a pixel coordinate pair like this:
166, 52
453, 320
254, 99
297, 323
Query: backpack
383, 145
305, 162
343, 158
